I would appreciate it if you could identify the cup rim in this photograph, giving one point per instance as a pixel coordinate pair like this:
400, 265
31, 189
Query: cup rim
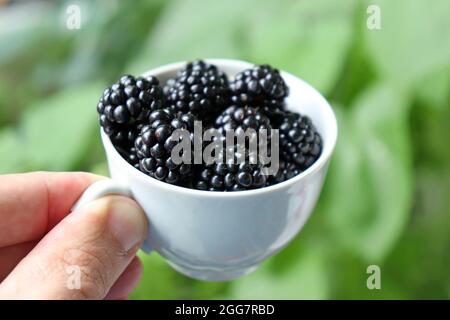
316, 166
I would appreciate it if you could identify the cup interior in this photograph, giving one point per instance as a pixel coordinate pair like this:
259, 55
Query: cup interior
303, 98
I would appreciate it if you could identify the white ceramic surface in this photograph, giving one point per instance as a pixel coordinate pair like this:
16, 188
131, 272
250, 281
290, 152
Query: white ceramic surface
219, 236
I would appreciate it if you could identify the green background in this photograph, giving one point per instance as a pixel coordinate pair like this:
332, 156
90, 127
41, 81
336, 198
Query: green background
386, 199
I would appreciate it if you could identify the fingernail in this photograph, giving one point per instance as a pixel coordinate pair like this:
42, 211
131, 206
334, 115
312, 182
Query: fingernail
128, 224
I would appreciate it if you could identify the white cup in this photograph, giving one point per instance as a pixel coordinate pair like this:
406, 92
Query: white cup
218, 236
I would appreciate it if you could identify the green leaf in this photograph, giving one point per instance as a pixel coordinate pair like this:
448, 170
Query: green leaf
369, 185
358, 71
59, 130
350, 279
430, 131
12, 153
6, 99
306, 278
100, 169
423, 249
104, 43
206, 290
194, 29
18, 38
307, 38
414, 39
159, 280
311, 40
434, 90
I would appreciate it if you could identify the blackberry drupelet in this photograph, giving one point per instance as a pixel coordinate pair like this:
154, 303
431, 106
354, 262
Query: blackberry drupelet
126, 105
259, 84
154, 146
199, 88
300, 143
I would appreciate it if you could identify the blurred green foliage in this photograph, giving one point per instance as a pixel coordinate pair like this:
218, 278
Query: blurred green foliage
385, 200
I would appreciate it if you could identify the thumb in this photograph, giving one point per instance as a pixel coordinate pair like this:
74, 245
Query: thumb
83, 256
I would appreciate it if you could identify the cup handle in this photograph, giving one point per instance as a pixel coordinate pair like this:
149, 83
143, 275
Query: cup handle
103, 188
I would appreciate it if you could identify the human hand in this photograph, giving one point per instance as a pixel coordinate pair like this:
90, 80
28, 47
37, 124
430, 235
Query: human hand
43, 247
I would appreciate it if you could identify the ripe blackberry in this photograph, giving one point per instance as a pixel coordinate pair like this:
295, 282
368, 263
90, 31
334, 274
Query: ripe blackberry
126, 105
120, 135
240, 119
300, 143
232, 176
259, 84
273, 109
154, 146
285, 172
130, 155
199, 88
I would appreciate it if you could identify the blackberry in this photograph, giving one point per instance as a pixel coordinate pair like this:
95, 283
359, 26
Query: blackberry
126, 105
285, 172
154, 146
120, 135
273, 109
199, 88
259, 84
232, 176
300, 143
130, 155
240, 119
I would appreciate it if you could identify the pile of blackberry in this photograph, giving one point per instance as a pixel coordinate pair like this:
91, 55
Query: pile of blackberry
140, 115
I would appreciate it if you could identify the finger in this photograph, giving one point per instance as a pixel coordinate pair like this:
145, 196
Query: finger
33, 203
83, 256
126, 282
11, 256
